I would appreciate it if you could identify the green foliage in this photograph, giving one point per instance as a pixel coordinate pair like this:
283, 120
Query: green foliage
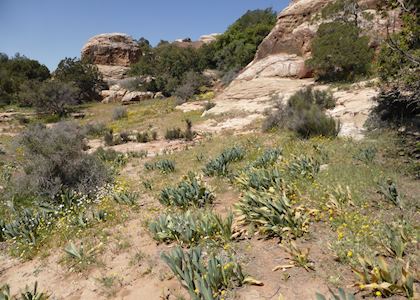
204, 280
398, 66
388, 189
114, 158
190, 85
272, 215
165, 166
14, 72
219, 165
396, 239
125, 197
267, 159
339, 52
174, 134
190, 192
119, 113
80, 258
32, 294
84, 76
342, 295
304, 166
366, 155
53, 160
190, 228
388, 279
260, 179
52, 97
237, 46
304, 114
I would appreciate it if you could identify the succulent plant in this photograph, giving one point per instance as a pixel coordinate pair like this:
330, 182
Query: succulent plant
267, 159
219, 165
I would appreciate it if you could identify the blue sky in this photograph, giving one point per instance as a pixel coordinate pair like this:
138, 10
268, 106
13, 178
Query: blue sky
49, 30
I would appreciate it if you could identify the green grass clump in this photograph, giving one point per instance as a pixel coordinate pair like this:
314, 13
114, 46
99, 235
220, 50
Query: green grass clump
219, 165
190, 192
165, 166
204, 279
272, 215
191, 227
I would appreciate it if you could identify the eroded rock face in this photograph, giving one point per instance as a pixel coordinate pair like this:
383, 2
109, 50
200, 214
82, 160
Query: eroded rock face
111, 49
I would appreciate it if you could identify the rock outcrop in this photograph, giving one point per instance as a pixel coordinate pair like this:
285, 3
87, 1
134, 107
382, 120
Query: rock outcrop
203, 40
111, 49
288, 45
112, 53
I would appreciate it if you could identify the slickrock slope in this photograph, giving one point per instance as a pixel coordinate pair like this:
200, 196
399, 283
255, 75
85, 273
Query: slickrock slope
282, 55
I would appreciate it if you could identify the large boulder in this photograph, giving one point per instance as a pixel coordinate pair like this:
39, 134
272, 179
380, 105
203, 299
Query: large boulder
135, 96
111, 49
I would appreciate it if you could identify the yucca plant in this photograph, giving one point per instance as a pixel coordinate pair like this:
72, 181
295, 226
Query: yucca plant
79, 257
390, 192
342, 295
272, 215
385, 279
304, 166
219, 165
395, 240
191, 191
33, 294
25, 226
204, 279
366, 155
260, 179
125, 197
191, 227
165, 166
298, 257
267, 159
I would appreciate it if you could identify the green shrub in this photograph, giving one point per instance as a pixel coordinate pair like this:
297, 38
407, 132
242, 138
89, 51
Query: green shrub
119, 113
260, 179
86, 77
94, 129
143, 137
388, 189
174, 134
219, 165
304, 166
189, 133
125, 197
339, 52
111, 156
272, 215
53, 159
190, 228
165, 166
189, 192
204, 279
28, 294
191, 85
109, 137
366, 155
304, 114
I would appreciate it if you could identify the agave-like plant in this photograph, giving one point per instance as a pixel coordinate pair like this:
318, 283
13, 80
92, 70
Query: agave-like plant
298, 257
32, 294
304, 166
191, 227
204, 280
125, 197
268, 158
219, 165
272, 215
191, 191
165, 166
387, 279
342, 295
261, 179
390, 192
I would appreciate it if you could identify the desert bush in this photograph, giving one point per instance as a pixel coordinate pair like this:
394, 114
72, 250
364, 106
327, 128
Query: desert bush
111, 156
174, 134
189, 133
209, 105
204, 279
109, 137
190, 228
191, 191
339, 52
165, 166
86, 77
53, 159
304, 114
119, 113
271, 215
191, 85
219, 165
94, 129
125, 137
143, 137
54, 97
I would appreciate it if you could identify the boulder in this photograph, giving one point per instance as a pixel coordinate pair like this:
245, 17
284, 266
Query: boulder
159, 95
209, 38
136, 97
112, 74
111, 49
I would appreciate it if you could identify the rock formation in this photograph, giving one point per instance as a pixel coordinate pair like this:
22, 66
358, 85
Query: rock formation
204, 39
113, 53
